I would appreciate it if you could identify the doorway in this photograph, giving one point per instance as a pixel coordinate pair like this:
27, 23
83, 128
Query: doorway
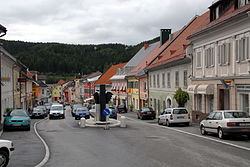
224, 99
244, 98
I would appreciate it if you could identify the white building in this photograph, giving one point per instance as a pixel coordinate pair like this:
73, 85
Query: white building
221, 59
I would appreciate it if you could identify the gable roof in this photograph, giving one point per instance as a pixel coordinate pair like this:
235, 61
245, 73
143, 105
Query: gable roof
105, 78
176, 48
140, 55
227, 16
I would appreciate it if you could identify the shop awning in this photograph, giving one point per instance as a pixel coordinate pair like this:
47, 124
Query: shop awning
205, 89
192, 89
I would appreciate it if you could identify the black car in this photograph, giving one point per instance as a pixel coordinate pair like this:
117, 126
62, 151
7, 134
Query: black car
122, 108
146, 112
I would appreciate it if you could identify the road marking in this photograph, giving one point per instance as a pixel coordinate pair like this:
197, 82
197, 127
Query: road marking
47, 152
192, 134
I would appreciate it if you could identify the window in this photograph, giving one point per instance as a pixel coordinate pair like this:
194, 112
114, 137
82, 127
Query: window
224, 53
145, 86
163, 80
242, 49
217, 116
198, 59
150, 82
185, 78
154, 81
169, 82
209, 57
176, 78
158, 81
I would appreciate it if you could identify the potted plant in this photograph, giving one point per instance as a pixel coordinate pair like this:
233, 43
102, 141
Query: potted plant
181, 97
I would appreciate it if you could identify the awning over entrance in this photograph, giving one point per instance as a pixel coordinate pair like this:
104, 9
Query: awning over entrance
205, 89
192, 89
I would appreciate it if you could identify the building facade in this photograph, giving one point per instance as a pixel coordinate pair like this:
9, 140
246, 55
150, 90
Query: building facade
221, 66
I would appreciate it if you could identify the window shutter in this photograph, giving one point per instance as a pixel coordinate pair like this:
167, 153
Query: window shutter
206, 58
241, 50
237, 51
212, 56
248, 48
219, 54
228, 53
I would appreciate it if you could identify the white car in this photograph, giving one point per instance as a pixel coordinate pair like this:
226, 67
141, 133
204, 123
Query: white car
6, 149
226, 122
174, 116
57, 111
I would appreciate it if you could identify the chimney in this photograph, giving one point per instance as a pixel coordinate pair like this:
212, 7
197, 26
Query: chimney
164, 36
146, 45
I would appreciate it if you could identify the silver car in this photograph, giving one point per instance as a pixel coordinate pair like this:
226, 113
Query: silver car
226, 122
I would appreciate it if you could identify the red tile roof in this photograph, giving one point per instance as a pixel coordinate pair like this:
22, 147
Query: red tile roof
61, 82
227, 15
177, 47
152, 55
105, 78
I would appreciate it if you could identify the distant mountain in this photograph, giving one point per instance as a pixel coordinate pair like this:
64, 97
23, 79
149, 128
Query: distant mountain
57, 58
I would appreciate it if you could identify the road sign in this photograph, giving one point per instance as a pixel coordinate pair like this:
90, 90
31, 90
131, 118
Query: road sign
106, 112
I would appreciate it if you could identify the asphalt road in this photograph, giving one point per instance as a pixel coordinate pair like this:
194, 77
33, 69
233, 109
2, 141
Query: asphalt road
139, 145
29, 150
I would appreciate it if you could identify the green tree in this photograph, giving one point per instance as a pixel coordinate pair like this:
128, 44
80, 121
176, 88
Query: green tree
181, 97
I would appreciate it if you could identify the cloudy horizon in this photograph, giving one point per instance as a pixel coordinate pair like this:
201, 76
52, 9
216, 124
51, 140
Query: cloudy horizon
95, 21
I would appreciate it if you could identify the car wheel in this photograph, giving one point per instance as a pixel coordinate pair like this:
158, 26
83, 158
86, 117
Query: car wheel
159, 122
4, 158
187, 124
202, 130
138, 116
142, 118
248, 136
75, 118
221, 133
168, 123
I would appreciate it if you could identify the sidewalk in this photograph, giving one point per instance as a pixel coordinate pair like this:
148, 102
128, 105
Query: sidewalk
29, 150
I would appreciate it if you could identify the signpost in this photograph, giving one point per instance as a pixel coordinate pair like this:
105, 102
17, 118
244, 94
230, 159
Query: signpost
106, 112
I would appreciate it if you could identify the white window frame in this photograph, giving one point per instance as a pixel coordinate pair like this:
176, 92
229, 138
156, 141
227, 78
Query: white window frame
209, 57
198, 59
224, 53
242, 49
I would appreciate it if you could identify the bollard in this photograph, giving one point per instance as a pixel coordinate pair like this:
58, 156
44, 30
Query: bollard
123, 123
82, 122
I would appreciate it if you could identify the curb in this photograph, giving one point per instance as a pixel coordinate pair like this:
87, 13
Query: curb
47, 154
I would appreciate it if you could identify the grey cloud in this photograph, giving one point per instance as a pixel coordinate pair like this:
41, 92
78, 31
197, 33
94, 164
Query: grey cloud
96, 21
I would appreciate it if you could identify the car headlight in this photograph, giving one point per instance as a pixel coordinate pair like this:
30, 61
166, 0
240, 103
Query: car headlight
25, 120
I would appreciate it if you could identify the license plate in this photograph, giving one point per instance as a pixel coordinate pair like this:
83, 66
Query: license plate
244, 124
16, 124
180, 117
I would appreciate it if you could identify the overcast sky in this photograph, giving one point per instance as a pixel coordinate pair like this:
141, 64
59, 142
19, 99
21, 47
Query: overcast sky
95, 21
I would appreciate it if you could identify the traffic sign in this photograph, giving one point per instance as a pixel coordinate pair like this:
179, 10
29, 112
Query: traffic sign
106, 112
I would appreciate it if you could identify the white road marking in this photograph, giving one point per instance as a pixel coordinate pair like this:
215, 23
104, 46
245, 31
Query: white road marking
47, 152
192, 134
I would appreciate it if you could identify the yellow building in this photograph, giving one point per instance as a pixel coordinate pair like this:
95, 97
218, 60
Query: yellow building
57, 92
133, 93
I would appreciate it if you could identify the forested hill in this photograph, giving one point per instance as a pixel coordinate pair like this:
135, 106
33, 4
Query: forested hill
69, 59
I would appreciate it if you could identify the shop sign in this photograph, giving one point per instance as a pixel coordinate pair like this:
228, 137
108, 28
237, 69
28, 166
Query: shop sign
226, 82
6, 79
21, 80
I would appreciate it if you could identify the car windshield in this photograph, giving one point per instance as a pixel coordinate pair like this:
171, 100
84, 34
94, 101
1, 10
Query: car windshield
38, 110
18, 113
42, 107
180, 111
235, 115
82, 110
57, 108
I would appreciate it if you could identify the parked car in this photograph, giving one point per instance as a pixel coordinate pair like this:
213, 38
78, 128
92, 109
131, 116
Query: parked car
122, 108
226, 122
82, 112
44, 109
113, 113
57, 111
6, 150
38, 112
174, 116
17, 118
75, 106
146, 112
